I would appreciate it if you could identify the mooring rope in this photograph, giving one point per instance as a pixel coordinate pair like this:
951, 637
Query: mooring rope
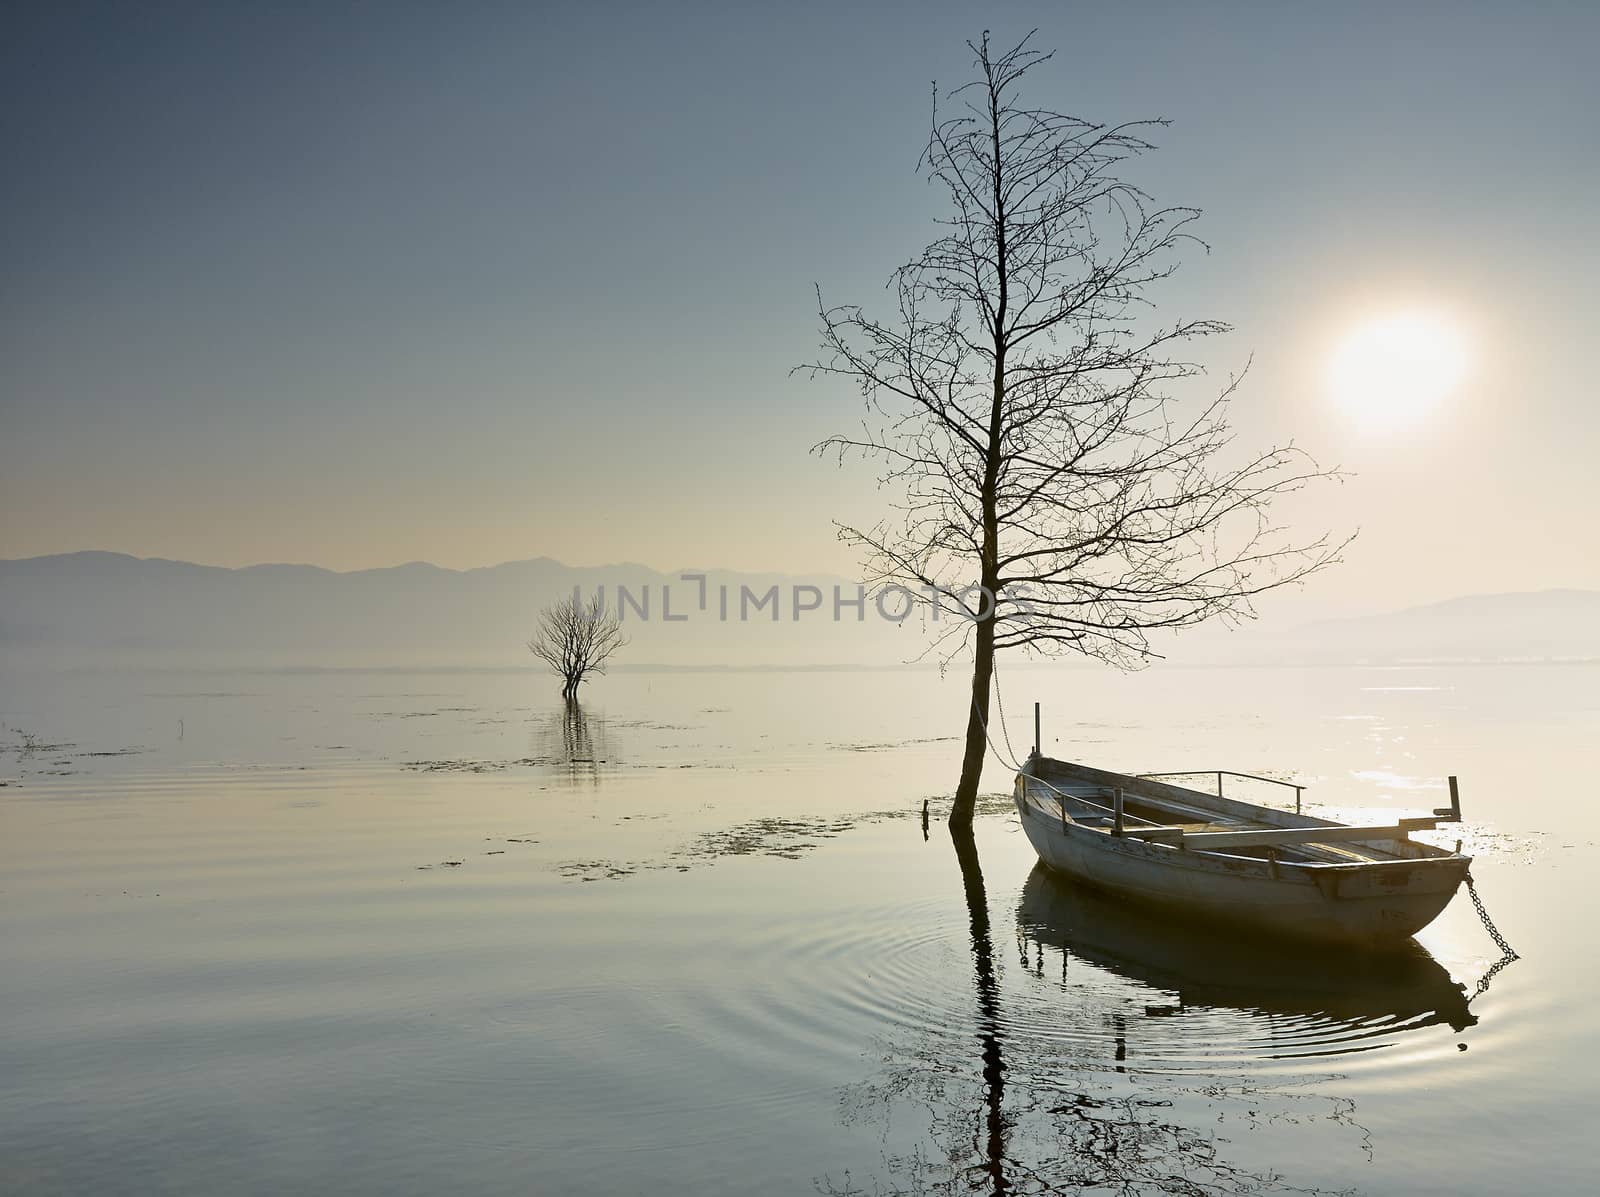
1000, 703
988, 739
984, 723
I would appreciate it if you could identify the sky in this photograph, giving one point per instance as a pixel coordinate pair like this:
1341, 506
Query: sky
359, 284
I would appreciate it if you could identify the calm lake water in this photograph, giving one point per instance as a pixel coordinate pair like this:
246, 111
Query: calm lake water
387, 932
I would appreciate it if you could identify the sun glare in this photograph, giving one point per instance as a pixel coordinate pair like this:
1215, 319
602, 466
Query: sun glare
1391, 373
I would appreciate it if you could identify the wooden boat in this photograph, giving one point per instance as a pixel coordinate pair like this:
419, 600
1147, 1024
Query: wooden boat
1206, 855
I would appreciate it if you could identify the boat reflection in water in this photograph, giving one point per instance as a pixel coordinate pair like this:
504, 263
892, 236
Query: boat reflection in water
1303, 999
1039, 1085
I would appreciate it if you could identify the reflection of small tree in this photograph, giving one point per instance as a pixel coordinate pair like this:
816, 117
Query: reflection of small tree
577, 744
572, 743
576, 639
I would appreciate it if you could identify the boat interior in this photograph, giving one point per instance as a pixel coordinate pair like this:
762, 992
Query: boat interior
1192, 819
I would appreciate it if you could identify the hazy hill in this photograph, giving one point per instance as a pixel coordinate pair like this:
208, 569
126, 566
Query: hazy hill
1546, 625
1538, 625
95, 607
107, 608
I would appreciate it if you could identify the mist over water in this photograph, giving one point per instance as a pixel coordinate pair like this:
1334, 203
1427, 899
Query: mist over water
392, 932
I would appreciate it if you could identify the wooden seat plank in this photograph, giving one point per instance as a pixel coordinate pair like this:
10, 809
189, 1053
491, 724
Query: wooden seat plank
1270, 837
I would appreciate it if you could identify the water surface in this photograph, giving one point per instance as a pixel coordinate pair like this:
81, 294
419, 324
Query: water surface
401, 933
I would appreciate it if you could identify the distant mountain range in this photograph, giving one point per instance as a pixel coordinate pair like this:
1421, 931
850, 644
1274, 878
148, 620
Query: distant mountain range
97, 608
1555, 625
108, 608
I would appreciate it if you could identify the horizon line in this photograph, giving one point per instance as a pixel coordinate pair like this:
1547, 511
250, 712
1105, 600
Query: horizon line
689, 572
371, 569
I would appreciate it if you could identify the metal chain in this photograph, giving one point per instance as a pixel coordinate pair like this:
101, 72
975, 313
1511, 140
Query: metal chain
1507, 953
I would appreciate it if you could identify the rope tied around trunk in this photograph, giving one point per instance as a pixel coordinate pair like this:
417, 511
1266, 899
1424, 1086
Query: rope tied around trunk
1011, 762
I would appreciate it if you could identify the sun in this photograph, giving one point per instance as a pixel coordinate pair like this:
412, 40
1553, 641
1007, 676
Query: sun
1392, 373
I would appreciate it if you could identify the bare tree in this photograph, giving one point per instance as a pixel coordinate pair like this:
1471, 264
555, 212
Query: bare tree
1059, 487
576, 639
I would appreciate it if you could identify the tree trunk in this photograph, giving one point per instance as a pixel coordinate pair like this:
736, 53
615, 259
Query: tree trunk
961, 810
966, 800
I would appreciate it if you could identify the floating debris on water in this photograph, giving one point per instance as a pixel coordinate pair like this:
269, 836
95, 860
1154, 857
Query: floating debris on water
469, 766
597, 870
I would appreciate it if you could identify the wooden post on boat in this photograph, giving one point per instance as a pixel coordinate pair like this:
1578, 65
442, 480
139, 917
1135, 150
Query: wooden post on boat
1298, 790
1038, 748
1219, 783
1453, 811
1116, 814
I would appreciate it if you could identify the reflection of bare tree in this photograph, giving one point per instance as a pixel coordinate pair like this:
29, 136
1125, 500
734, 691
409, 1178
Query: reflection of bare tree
573, 742
994, 1066
1055, 1126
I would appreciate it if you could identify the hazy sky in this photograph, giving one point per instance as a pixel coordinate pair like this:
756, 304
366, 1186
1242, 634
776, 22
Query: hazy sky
358, 284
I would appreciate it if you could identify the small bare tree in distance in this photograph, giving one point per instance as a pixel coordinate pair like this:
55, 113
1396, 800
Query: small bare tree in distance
576, 639
1059, 484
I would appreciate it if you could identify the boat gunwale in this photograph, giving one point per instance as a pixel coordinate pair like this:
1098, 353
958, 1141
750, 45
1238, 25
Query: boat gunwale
1038, 768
